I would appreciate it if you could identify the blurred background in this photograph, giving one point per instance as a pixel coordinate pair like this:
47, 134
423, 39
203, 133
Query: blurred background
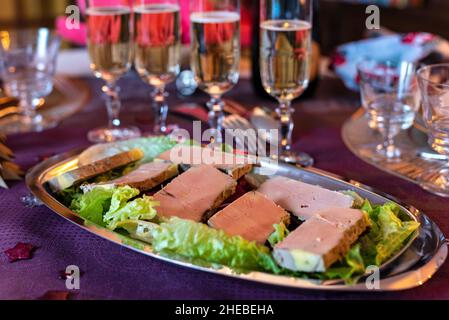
340, 21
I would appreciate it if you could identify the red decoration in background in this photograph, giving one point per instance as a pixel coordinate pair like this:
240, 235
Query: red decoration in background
79, 36
337, 59
56, 295
418, 37
22, 251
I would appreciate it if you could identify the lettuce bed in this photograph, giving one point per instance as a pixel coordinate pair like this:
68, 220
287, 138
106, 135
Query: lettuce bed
115, 208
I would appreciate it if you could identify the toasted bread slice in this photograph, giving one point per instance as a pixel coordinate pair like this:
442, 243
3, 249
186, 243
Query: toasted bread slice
86, 172
145, 177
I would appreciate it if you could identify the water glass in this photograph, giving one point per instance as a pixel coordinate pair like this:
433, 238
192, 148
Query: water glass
434, 86
389, 94
27, 67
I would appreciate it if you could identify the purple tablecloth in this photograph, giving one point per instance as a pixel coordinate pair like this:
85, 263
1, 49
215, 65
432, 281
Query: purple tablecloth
113, 272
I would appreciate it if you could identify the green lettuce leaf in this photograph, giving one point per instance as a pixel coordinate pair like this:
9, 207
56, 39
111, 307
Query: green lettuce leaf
107, 206
138, 229
198, 241
93, 204
139, 209
279, 234
353, 264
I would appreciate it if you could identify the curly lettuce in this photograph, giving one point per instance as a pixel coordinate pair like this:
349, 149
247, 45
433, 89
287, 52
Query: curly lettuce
386, 236
110, 206
198, 241
279, 234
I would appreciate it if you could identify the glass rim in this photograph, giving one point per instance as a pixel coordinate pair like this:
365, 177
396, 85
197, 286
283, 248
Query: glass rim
428, 67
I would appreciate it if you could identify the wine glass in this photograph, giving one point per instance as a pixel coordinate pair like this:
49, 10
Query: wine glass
285, 54
109, 38
157, 51
434, 86
215, 53
27, 66
390, 97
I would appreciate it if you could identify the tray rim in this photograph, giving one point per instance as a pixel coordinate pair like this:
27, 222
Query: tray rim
401, 281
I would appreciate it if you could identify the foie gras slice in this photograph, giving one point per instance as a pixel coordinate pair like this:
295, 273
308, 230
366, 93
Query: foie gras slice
321, 241
195, 194
234, 165
302, 199
145, 177
251, 216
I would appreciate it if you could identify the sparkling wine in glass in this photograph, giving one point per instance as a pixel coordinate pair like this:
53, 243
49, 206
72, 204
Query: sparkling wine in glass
109, 38
215, 49
285, 54
157, 51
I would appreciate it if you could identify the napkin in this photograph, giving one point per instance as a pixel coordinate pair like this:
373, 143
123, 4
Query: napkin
413, 47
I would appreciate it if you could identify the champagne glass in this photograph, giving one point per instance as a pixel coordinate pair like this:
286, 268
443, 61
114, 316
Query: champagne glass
434, 87
285, 54
27, 66
215, 52
157, 51
109, 37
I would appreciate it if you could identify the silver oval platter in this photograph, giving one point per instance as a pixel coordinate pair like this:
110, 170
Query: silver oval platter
419, 259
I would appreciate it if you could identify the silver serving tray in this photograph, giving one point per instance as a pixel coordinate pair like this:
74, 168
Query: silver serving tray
419, 259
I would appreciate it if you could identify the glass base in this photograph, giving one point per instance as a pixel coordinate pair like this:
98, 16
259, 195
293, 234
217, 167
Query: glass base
380, 154
300, 158
21, 124
436, 181
165, 130
101, 135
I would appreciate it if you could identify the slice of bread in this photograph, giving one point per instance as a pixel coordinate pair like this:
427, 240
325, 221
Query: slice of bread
88, 171
145, 177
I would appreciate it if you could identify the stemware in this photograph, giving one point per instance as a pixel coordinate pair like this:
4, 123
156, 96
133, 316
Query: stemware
109, 38
434, 87
27, 67
389, 94
285, 54
215, 52
157, 51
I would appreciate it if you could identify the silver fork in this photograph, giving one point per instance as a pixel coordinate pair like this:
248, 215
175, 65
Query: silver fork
249, 141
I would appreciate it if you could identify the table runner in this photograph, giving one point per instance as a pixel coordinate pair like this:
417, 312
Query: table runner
112, 272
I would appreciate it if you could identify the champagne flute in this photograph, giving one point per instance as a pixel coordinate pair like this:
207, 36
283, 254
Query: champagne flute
109, 37
215, 47
157, 51
285, 54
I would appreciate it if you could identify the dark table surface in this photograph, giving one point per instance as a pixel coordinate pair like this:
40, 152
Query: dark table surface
113, 272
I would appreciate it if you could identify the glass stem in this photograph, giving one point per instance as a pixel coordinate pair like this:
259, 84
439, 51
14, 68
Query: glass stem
113, 104
160, 109
285, 112
216, 117
28, 107
388, 145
